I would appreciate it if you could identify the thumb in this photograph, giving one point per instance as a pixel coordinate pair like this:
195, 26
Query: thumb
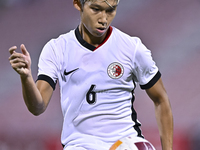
24, 50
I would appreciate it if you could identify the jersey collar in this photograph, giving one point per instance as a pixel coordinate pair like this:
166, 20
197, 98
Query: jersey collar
89, 46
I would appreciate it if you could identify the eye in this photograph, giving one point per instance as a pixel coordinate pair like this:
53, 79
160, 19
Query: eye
95, 9
111, 10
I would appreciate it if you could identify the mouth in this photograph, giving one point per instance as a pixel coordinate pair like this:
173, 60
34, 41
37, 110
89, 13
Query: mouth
101, 29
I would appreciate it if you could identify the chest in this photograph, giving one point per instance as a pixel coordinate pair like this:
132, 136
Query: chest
105, 65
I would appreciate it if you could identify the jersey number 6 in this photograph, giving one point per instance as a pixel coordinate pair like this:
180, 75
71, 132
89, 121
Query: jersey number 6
91, 95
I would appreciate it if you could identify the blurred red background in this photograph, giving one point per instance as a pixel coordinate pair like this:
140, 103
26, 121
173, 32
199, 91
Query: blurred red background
170, 29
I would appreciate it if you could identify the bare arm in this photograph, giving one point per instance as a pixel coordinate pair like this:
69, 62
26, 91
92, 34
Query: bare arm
36, 96
163, 114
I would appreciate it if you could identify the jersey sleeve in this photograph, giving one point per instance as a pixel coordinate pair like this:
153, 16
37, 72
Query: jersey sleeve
48, 65
145, 69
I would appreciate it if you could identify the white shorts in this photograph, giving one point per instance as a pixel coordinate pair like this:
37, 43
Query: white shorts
74, 148
127, 143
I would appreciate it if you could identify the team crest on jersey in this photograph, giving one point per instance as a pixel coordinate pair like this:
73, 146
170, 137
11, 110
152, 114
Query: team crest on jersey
115, 70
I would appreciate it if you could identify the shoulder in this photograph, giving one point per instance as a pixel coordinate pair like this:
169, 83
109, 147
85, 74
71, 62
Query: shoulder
57, 46
126, 38
62, 39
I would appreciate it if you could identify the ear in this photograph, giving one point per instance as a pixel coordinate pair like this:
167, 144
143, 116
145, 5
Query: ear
77, 5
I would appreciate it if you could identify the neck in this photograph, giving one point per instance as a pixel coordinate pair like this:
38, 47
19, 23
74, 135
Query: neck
89, 38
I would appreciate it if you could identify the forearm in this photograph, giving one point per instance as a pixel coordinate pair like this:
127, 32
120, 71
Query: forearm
32, 96
165, 124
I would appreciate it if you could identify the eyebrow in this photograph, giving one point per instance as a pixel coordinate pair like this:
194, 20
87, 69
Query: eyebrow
99, 6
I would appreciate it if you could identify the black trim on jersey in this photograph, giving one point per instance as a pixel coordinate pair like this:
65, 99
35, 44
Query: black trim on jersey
152, 82
82, 41
87, 45
47, 79
134, 118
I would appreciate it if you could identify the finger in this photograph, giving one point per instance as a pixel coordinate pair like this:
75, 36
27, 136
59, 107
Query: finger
18, 65
19, 68
12, 49
16, 55
24, 50
17, 60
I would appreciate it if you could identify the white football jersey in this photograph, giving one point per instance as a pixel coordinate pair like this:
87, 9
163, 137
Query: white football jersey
96, 86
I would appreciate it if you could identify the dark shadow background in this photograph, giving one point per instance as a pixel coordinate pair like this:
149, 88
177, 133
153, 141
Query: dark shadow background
170, 29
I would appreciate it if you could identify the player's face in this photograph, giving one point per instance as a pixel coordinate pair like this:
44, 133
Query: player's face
97, 15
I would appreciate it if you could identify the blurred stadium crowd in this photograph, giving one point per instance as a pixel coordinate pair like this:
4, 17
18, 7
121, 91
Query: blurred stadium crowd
11, 3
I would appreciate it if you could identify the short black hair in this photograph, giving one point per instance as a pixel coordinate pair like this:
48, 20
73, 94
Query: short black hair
83, 2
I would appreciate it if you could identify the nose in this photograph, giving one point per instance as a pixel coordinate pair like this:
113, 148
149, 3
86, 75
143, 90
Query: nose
103, 18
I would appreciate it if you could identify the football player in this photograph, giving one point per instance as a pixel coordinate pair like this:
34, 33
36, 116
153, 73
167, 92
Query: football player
97, 67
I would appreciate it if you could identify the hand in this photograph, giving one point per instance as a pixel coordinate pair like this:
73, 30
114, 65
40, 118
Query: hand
20, 62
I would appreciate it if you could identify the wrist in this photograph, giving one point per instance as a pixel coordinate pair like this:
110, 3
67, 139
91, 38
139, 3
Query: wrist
26, 76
